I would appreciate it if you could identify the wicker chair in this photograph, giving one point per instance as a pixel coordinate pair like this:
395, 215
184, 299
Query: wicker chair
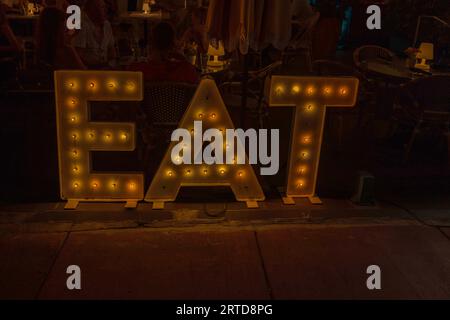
371, 52
258, 86
424, 104
162, 110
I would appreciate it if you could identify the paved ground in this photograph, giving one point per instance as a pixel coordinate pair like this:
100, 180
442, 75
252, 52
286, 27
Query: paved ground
225, 252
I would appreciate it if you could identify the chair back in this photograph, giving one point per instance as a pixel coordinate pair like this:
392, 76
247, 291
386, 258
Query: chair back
371, 52
165, 103
333, 68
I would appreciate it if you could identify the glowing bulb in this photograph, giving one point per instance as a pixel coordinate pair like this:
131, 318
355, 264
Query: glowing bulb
304, 155
95, 185
310, 91
108, 136
306, 139
327, 91
91, 135
73, 102
114, 185
75, 153
279, 90
213, 116
200, 115
73, 119
92, 85
302, 170
131, 86
76, 185
71, 84
300, 184
124, 136
170, 173
132, 186
309, 107
188, 172
222, 171
75, 169
343, 91
240, 174
74, 136
296, 89
111, 85
205, 172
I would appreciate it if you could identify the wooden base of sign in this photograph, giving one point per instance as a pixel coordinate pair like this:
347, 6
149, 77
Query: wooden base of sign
71, 205
131, 205
252, 204
315, 200
288, 201
158, 205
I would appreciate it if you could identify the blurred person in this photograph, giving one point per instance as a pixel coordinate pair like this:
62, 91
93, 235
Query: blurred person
53, 49
95, 41
301, 10
165, 63
10, 46
197, 33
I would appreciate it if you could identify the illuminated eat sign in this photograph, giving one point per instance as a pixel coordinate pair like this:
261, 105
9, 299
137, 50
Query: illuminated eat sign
78, 136
310, 96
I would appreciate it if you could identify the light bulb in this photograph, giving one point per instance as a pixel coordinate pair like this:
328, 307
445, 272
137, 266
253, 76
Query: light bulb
296, 89
132, 186
279, 90
213, 116
310, 91
343, 91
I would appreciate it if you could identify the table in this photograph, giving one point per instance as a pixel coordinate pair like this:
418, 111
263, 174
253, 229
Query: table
145, 18
397, 71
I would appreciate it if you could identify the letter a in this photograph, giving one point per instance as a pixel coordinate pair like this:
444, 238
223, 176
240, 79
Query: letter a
74, 21
374, 21
207, 106
74, 281
374, 281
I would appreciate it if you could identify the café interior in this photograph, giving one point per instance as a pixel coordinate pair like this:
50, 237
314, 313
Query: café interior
395, 140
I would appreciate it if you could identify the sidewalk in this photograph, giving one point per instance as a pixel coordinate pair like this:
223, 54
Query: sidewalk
225, 252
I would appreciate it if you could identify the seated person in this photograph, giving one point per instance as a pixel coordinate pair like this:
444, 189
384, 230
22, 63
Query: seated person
52, 48
197, 32
165, 64
10, 46
95, 41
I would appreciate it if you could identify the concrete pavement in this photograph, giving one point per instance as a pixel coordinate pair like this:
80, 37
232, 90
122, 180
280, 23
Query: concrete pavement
222, 252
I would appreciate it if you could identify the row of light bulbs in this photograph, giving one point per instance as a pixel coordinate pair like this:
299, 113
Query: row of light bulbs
310, 90
202, 172
129, 86
96, 185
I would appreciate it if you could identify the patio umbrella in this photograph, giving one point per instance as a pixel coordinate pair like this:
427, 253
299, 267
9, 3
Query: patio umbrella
244, 24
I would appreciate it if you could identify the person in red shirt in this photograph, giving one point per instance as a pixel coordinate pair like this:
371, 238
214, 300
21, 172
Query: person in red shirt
164, 63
